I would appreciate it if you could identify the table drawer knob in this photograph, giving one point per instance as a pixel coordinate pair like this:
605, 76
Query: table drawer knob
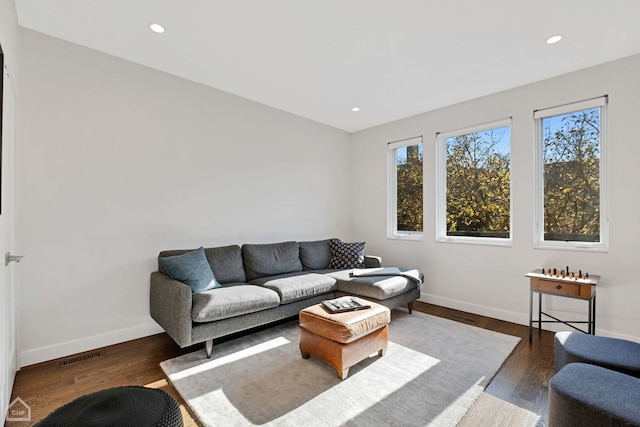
558, 287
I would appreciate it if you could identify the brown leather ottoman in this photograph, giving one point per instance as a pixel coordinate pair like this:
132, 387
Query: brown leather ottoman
344, 339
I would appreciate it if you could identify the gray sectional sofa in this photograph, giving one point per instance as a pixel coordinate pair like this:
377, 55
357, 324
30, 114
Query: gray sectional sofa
258, 284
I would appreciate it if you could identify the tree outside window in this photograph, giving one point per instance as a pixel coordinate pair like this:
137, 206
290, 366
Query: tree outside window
409, 194
571, 159
476, 194
406, 189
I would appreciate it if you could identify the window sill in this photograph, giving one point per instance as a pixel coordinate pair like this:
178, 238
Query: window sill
505, 243
415, 237
570, 247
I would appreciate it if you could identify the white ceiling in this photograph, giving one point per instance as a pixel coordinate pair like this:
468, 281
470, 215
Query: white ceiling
320, 58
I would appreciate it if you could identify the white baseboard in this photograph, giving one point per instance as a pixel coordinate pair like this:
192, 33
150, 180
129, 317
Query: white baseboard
508, 316
483, 310
51, 352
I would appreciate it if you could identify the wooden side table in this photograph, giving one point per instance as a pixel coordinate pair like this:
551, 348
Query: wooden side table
582, 288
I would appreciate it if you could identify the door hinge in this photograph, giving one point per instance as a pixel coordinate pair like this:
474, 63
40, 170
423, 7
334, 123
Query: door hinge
10, 258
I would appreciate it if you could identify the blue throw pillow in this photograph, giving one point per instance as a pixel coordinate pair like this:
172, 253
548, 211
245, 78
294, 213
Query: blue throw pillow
191, 268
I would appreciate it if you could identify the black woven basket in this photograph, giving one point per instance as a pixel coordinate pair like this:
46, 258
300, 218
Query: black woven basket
119, 406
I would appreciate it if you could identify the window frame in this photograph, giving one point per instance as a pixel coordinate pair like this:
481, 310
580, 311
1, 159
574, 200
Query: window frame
441, 187
392, 191
538, 116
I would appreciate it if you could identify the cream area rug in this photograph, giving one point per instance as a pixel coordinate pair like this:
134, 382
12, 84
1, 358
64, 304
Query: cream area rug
433, 371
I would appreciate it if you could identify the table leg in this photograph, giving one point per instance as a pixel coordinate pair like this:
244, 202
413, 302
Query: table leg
590, 316
530, 314
594, 315
539, 312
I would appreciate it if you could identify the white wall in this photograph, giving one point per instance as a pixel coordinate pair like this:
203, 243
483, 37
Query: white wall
9, 40
490, 280
119, 161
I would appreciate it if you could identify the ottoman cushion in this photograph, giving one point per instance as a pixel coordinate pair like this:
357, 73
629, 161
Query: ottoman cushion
344, 327
617, 354
587, 395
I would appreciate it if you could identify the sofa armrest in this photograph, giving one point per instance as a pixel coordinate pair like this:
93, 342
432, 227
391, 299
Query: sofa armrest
170, 304
371, 261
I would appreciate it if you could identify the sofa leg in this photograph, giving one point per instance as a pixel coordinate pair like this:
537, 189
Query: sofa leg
410, 307
208, 348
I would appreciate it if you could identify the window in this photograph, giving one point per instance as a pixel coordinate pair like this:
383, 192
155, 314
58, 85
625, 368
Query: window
474, 184
405, 189
570, 203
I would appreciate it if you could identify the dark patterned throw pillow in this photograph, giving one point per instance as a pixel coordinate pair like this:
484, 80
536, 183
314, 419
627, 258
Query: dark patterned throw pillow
346, 255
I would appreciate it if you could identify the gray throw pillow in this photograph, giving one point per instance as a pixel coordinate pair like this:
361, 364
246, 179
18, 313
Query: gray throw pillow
192, 269
346, 255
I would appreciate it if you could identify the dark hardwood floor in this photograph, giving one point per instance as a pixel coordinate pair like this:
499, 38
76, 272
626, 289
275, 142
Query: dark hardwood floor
515, 396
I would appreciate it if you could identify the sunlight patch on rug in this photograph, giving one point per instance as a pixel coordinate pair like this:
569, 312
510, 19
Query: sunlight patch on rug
231, 358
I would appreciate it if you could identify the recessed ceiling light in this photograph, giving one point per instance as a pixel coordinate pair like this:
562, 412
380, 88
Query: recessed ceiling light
157, 28
355, 109
554, 39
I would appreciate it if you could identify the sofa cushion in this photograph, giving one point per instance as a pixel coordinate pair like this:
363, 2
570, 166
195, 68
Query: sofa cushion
270, 259
231, 301
296, 286
376, 287
226, 263
190, 268
346, 255
315, 255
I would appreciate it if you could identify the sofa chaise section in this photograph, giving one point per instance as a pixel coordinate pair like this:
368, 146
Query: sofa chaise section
390, 291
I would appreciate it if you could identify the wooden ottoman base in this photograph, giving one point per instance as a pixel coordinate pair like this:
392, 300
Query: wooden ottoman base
343, 356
